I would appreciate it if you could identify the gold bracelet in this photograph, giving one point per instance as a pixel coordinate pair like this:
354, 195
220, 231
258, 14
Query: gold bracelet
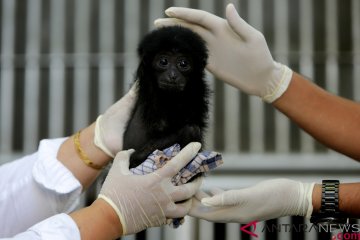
83, 155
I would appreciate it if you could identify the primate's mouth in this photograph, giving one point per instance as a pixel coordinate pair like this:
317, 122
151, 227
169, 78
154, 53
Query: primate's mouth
169, 86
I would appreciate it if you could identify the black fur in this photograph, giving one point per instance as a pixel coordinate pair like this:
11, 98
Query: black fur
162, 118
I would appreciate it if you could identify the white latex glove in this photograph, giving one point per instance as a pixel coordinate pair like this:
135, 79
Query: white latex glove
143, 201
110, 126
266, 200
239, 54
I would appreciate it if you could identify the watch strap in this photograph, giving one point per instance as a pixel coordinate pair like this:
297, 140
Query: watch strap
329, 210
330, 196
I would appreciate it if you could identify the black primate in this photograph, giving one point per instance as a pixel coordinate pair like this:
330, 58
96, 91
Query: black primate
172, 104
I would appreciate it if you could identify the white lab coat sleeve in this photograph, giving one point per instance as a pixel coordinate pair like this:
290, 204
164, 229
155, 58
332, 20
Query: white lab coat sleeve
58, 227
34, 188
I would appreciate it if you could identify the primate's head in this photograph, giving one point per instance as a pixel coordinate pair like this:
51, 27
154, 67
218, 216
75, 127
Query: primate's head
171, 57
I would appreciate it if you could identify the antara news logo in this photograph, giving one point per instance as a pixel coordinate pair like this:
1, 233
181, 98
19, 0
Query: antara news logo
345, 231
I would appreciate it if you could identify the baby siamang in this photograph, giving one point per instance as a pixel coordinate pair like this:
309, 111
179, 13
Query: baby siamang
172, 104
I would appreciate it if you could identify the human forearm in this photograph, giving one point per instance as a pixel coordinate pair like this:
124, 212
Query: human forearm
69, 157
332, 120
109, 131
98, 221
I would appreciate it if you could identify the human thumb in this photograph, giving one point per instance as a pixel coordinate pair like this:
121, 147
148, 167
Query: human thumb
121, 161
227, 198
214, 201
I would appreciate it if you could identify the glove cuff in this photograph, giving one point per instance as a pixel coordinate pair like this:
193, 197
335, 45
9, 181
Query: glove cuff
98, 139
279, 84
308, 191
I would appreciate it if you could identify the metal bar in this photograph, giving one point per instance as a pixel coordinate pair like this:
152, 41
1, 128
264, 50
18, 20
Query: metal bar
57, 69
232, 231
186, 231
181, 3
31, 101
332, 68
232, 121
281, 49
206, 230
256, 105
306, 59
132, 36
7, 75
153, 233
156, 11
82, 75
356, 47
232, 113
107, 65
210, 133
282, 234
288, 162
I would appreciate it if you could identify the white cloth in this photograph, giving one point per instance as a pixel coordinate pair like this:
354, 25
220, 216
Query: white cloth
34, 188
58, 227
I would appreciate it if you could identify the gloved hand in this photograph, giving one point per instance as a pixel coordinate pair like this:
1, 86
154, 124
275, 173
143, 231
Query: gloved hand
143, 201
110, 126
239, 54
266, 200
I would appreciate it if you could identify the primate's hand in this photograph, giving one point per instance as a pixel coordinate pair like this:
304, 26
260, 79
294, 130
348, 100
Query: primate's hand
110, 126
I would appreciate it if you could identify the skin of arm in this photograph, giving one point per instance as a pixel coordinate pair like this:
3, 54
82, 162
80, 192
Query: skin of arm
68, 156
98, 221
332, 120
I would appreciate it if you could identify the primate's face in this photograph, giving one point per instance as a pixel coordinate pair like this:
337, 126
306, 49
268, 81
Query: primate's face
172, 70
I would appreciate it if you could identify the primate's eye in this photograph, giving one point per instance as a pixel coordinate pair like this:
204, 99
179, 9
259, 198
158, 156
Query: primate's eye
163, 62
183, 64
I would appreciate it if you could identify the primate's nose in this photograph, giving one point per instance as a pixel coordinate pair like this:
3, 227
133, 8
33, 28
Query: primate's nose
173, 75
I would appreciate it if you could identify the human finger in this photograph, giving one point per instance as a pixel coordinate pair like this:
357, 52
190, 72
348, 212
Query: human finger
201, 194
237, 24
226, 198
195, 16
186, 191
164, 22
216, 190
179, 210
179, 161
121, 161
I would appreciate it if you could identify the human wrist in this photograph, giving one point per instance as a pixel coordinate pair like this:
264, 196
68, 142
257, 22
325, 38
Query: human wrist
97, 155
98, 221
349, 196
69, 156
277, 83
316, 198
98, 138
109, 216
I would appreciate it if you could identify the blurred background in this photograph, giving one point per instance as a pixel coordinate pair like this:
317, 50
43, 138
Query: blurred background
63, 62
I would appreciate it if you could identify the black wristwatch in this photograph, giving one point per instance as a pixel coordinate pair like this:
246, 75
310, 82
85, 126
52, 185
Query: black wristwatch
329, 212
